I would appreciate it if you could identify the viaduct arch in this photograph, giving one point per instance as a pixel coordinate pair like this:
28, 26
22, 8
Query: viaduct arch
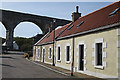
11, 19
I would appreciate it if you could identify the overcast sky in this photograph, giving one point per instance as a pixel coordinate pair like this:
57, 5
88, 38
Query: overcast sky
61, 10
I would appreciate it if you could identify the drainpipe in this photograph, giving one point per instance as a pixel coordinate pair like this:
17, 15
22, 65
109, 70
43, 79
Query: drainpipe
72, 65
54, 42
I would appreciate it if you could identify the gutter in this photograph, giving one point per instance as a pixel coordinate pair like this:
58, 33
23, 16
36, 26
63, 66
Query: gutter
55, 38
47, 34
89, 31
45, 43
81, 33
41, 38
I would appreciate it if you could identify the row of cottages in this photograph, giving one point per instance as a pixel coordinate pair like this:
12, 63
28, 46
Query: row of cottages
89, 44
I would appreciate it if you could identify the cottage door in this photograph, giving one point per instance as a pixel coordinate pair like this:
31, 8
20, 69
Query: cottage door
81, 57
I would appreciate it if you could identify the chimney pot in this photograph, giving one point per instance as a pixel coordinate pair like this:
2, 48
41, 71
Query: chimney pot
76, 15
77, 7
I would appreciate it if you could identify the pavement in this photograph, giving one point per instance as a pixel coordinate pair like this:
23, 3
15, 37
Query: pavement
68, 72
16, 67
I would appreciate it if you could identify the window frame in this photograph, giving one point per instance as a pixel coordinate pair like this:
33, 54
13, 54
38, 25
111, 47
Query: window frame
43, 51
57, 53
38, 53
66, 54
99, 54
95, 55
70, 27
50, 53
114, 12
79, 24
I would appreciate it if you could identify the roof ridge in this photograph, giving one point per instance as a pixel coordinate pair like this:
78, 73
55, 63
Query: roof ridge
91, 17
98, 10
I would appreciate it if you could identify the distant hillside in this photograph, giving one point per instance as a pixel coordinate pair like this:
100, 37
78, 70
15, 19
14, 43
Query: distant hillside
25, 44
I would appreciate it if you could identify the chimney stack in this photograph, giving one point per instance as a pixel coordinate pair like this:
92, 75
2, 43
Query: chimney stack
76, 15
50, 27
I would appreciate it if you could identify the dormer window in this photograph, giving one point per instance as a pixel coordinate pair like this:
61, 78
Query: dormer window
60, 32
70, 27
80, 24
114, 12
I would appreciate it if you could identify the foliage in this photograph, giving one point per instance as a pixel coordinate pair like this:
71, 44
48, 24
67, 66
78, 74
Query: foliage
25, 44
3, 40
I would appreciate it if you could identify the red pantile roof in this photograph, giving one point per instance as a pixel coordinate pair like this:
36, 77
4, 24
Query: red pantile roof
95, 19
91, 21
49, 37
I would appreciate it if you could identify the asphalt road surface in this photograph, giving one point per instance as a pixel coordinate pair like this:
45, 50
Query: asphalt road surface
15, 66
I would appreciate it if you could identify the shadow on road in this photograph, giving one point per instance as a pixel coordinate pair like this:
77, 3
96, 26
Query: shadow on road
7, 57
7, 65
14, 53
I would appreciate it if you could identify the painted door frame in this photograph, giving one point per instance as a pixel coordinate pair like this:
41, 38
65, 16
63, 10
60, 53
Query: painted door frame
81, 43
81, 62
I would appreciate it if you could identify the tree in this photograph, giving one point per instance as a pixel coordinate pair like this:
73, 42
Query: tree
25, 44
3, 40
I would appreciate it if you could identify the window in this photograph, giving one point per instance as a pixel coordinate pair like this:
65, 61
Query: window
114, 12
58, 53
50, 53
60, 32
43, 55
38, 52
67, 53
80, 24
64, 29
99, 54
70, 27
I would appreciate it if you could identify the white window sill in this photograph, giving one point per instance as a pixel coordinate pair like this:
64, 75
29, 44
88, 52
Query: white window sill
58, 60
99, 67
50, 58
37, 60
68, 62
80, 71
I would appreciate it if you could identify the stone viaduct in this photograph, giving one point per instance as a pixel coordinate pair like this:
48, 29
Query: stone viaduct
11, 19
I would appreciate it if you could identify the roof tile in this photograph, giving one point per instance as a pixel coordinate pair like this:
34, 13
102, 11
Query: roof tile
93, 20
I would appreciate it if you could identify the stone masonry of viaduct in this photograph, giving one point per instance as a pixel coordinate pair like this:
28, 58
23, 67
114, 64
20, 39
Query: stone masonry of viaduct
11, 19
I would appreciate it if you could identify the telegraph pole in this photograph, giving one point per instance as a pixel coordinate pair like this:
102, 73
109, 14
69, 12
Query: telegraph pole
54, 21
72, 65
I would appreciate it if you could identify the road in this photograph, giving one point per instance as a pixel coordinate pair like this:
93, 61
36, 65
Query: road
15, 66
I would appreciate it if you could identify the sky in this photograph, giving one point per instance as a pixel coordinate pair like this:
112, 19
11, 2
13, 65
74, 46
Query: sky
62, 10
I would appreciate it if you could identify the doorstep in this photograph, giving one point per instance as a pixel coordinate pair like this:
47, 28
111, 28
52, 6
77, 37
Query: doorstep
68, 72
